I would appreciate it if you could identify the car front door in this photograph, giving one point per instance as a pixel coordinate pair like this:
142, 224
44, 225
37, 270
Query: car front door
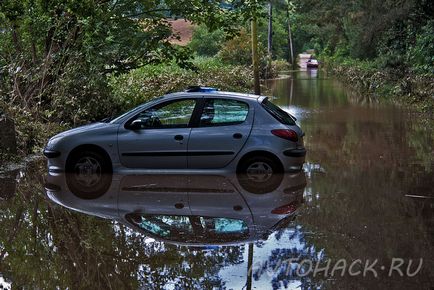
157, 137
223, 129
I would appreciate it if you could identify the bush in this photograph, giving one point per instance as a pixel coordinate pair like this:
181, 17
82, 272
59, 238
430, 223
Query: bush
151, 81
421, 54
280, 65
205, 42
238, 50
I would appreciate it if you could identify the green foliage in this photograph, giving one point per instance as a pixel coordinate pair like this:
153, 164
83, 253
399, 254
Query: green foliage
421, 54
238, 50
375, 80
151, 81
280, 48
399, 34
205, 42
56, 57
281, 65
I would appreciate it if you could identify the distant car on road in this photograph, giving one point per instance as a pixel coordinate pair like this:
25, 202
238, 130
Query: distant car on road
196, 130
312, 63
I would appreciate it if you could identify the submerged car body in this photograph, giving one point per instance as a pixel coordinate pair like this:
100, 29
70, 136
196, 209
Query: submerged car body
200, 129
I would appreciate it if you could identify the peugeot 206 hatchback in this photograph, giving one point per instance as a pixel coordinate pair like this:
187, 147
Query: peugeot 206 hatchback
201, 129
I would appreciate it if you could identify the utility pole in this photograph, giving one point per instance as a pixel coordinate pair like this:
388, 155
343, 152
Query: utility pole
291, 51
270, 38
255, 57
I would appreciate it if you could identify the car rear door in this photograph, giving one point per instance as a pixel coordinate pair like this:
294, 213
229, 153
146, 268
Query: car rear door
223, 128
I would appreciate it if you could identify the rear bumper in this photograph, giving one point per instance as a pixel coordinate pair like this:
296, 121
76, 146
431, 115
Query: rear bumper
295, 152
293, 159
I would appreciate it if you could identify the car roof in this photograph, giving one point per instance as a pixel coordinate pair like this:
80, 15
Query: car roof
243, 96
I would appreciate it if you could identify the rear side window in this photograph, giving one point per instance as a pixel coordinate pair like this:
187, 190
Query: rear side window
282, 116
220, 112
196, 229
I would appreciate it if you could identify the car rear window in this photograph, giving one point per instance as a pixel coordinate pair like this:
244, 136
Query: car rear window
282, 116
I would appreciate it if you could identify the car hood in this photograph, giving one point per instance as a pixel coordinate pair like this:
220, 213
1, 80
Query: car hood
82, 129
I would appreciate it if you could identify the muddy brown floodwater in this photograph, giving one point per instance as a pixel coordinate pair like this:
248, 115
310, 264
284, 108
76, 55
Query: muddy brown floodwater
361, 213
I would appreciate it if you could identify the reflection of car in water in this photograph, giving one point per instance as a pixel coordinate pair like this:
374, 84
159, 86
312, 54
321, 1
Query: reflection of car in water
5, 283
187, 209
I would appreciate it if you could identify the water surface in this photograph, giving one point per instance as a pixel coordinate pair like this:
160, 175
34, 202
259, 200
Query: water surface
369, 196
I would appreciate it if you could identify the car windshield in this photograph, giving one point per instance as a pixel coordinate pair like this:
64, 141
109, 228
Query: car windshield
282, 116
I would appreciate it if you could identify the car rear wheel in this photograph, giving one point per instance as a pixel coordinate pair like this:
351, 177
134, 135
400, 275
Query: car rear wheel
88, 174
260, 174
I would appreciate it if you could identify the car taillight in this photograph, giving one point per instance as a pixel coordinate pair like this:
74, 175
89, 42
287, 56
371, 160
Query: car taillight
285, 209
287, 134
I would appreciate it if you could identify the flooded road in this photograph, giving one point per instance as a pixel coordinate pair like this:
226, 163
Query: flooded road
365, 198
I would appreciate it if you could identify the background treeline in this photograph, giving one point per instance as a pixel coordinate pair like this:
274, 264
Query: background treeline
396, 34
385, 48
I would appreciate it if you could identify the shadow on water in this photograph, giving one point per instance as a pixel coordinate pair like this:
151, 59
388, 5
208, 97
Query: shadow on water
366, 193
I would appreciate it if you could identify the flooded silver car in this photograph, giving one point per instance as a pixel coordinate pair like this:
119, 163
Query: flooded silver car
199, 129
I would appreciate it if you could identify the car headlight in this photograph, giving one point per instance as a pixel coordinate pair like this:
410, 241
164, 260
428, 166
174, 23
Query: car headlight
53, 141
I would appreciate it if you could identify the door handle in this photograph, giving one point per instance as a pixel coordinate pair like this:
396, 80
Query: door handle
179, 205
179, 137
237, 136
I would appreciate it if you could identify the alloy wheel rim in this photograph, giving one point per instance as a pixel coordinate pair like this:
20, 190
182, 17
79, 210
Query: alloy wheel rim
259, 171
87, 171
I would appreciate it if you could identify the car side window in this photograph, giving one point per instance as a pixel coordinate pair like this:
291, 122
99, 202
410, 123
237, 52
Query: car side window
220, 112
175, 114
190, 228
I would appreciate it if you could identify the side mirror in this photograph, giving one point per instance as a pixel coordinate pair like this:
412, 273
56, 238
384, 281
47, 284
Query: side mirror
136, 124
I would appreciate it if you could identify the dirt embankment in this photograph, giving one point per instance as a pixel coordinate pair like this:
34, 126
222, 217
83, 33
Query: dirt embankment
182, 28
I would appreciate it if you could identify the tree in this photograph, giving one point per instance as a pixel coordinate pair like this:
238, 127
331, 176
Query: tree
57, 51
270, 37
251, 10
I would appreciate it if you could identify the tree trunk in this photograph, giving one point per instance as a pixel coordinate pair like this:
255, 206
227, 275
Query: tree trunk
255, 57
270, 38
291, 51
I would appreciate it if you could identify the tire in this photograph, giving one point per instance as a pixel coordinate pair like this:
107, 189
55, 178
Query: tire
88, 174
260, 174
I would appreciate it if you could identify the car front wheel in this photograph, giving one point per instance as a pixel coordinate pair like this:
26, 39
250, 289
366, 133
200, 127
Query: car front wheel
88, 174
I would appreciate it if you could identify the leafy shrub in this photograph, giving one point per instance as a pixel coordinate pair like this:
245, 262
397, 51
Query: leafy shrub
31, 134
238, 50
280, 65
148, 82
205, 42
421, 54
